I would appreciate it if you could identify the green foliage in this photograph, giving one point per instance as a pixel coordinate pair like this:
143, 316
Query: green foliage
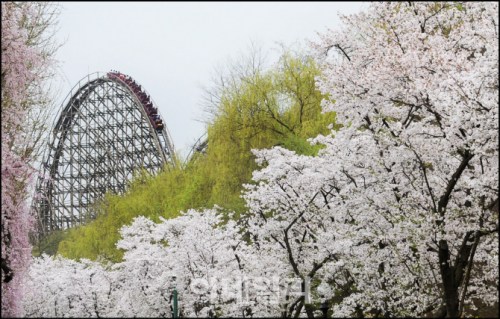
49, 244
300, 145
255, 109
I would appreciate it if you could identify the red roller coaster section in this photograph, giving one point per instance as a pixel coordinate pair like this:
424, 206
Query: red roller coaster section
142, 96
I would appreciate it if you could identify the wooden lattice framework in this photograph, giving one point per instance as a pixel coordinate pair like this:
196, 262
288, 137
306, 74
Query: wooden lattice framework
102, 137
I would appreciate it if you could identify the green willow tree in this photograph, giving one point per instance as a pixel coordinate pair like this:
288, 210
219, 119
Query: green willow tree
251, 108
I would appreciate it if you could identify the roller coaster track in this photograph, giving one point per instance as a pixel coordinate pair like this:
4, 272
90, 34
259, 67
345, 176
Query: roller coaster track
108, 129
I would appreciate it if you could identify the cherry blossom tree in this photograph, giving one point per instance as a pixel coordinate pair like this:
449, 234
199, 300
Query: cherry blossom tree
58, 287
416, 86
194, 253
16, 57
24, 60
200, 254
411, 180
291, 225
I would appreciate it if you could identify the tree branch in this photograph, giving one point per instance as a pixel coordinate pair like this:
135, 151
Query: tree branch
443, 201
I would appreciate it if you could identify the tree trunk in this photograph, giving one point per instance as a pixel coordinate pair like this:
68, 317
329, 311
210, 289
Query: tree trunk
309, 310
450, 286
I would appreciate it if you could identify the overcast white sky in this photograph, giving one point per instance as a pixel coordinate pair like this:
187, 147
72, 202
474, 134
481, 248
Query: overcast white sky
172, 49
